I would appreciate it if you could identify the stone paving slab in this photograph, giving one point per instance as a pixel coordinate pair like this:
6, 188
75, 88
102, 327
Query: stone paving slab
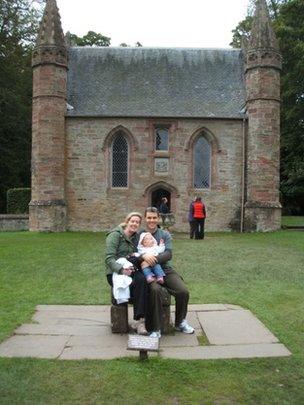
75, 332
111, 346
43, 347
234, 327
53, 316
226, 352
72, 322
107, 340
179, 340
53, 329
95, 353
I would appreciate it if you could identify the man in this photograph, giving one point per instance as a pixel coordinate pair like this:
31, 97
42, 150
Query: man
172, 280
199, 215
164, 210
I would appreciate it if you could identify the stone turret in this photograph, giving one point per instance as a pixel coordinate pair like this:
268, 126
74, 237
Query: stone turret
262, 77
49, 61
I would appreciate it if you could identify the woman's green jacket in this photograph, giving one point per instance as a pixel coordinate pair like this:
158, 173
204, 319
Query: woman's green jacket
118, 245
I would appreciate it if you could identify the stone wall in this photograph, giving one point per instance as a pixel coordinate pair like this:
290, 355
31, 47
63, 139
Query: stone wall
93, 205
14, 222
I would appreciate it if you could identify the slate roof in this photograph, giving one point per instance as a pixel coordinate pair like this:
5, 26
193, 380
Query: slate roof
156, 82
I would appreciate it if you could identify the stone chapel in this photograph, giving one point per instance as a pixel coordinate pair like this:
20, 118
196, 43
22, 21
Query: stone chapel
117, 129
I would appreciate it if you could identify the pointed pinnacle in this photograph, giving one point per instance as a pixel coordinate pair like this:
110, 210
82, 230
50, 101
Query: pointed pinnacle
50, 31
50, 46
262, 34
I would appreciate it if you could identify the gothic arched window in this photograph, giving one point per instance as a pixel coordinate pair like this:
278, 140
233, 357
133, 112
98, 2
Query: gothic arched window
202, 163
120, 160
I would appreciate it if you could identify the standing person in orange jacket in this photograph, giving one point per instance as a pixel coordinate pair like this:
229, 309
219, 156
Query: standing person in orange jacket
199, 215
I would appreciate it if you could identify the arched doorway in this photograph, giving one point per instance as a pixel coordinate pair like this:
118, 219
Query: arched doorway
157, 195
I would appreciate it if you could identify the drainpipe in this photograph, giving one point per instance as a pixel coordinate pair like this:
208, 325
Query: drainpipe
243, 176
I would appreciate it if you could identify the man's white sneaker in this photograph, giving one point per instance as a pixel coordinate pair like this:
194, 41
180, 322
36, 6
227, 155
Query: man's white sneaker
184, 327
155, 334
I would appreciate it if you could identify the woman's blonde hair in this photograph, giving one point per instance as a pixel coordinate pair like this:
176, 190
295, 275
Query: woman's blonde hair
130, 215
133, 214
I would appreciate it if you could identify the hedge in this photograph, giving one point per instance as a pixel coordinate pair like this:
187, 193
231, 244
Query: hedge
18, 200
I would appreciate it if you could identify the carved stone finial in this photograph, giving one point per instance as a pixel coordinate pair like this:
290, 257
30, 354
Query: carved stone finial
263, 48
50, 46
67, 39
262, 34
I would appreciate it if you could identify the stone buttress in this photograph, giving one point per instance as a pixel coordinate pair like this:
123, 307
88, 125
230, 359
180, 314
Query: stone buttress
262, 78
49, 61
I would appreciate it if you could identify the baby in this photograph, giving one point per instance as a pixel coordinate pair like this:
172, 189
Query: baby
148, 244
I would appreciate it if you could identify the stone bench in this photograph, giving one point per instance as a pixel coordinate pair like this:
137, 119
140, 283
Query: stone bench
119, 315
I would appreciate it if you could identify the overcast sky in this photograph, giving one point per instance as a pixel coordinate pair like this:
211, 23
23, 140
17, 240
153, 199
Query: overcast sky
156, 23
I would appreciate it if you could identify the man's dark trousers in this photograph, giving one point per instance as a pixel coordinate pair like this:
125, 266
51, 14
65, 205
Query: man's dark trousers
176, 287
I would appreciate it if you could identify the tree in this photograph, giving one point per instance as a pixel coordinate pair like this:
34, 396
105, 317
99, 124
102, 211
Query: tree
19, 21
18, 28
288, 24
90, 39
241, 33
290, 32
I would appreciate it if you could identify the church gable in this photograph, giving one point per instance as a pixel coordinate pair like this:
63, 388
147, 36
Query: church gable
148, 82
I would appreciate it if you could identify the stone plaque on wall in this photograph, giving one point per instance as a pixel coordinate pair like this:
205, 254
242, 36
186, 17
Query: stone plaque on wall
161, 165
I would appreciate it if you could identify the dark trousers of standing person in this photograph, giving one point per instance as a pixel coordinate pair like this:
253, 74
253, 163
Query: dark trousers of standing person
199, 228
163, 218
175, 285
139, 291
192, 229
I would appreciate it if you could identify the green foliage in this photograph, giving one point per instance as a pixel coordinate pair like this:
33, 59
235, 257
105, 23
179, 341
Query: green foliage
261, 272
18, 22
18, 26
290, 32
241, 33
90, 39
18, 200
288, 24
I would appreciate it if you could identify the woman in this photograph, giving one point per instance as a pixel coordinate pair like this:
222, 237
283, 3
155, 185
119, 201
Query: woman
121, 242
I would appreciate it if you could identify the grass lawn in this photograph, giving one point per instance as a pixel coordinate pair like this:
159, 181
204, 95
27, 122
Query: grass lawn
292, 221
261, 272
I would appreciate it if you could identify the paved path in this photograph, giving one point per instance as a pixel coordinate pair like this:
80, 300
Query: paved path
74, 332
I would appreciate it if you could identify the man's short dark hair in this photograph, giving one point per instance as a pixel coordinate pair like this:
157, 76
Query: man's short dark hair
151, 209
